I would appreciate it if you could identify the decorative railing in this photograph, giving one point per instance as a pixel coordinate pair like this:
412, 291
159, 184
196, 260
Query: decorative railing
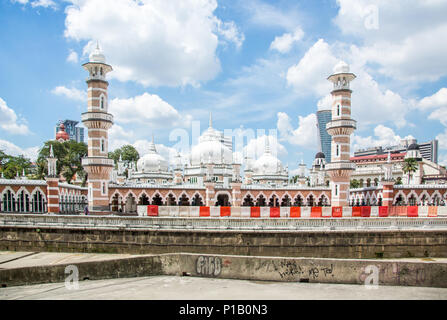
91, 116
210, 223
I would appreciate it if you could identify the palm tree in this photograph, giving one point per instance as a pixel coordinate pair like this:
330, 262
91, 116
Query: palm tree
409, 166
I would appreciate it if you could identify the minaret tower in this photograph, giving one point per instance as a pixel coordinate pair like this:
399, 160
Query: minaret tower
98, 121
340, 128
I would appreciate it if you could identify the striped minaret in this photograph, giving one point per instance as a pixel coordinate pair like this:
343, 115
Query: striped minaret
340, 128
98, 121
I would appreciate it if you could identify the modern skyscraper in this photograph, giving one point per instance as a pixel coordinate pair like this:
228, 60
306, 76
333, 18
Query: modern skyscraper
323, 118
75, 133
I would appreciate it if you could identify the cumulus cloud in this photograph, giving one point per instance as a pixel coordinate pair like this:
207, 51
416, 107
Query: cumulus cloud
73, 57
256, 147
38, 3
10, 122
70, 93
285, 42
14, 150
310, 73
305, 135
383, 136
370, 101
401, 48
154, 43
147, 109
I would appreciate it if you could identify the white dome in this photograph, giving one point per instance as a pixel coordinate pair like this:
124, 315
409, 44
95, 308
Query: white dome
341, 67
211, 151
97, 55
152, 162
267, 164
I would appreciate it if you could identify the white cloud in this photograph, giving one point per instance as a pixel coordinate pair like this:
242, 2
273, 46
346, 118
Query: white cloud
407, 43
255, 147
284, 43
44, 3
230, 32
442, 159
73, 57
154, 42
70, 93
442, 140
11, 149
309, 75
369, 101
383, 136
266, 15
148, 110
10, 122
305, 135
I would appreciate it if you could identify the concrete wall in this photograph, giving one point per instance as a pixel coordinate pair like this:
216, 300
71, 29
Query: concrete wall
429, 274
324, 244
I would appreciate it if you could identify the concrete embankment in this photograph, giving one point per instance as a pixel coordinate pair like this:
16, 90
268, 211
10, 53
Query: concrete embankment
362, 244
403, 272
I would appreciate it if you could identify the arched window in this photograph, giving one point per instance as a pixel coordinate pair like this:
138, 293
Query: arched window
338, 110
38, 202
102, 145
102, 102
336, 189
100, 71
337, 150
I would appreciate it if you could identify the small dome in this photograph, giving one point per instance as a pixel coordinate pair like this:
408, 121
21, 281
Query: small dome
341, 67
267, 164
320, 155
97, 55
61, 134
413, 146
152, 161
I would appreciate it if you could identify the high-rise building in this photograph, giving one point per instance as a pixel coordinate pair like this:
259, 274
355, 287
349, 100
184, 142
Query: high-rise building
75, 133
323, 118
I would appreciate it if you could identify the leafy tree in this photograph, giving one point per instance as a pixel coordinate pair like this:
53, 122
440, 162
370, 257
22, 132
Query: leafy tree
398, 181
354, 184
128, 153
409, 166
12, 165
69, 155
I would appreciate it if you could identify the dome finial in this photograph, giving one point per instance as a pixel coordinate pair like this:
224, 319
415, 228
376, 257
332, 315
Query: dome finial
211, 120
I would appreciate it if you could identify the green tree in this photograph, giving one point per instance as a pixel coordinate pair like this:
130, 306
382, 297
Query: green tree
409, 166
69, 155
354, 184
128, 153
11, 165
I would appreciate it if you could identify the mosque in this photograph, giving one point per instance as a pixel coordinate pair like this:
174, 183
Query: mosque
212, 176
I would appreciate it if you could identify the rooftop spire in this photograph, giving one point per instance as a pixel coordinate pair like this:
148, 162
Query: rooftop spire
51, 151
211, 120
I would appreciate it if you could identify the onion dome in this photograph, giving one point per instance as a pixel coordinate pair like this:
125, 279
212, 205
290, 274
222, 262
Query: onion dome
61, 134
341, 67
210, 149
320, 155
152, 161
267, 164
97, 55
413, 146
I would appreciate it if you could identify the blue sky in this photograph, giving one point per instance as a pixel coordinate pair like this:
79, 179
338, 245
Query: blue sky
254, 64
